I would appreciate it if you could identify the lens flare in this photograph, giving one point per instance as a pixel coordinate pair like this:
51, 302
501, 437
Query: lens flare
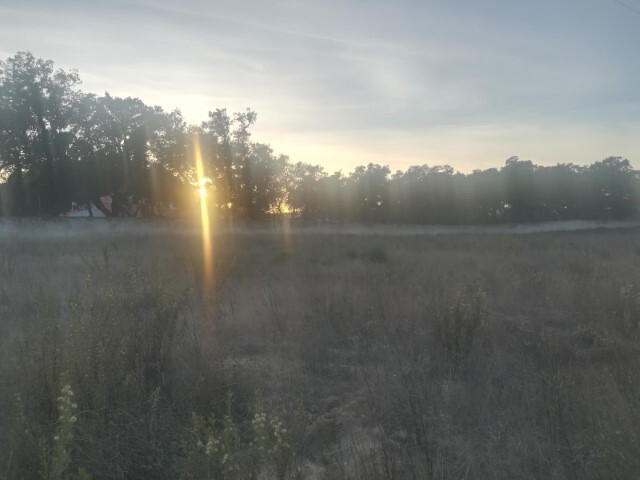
205, 223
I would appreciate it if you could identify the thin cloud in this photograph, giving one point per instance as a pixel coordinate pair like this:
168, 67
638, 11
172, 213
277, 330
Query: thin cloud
352, 73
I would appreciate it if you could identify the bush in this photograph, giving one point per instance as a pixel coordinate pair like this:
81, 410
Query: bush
458, 317
215, 449
629, 311
376, 255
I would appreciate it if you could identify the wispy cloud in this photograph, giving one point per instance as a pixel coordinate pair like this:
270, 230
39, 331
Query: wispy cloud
367, 80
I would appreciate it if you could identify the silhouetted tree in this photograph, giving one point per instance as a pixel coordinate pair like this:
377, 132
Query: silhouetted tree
38, 112
60, 147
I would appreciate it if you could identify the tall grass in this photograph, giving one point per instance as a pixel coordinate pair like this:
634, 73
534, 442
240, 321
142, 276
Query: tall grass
435, 358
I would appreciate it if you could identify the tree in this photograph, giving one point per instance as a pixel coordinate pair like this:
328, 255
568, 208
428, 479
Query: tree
60, 147
247, 176
38, 107
521, 198
370, 190
614, 187
303, 188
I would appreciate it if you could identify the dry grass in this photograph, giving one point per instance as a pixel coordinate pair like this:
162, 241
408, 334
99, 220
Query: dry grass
495, 356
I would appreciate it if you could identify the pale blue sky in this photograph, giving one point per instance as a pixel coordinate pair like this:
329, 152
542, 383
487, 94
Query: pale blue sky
341, 83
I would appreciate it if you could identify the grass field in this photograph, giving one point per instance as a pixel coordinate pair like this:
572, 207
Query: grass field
319, 356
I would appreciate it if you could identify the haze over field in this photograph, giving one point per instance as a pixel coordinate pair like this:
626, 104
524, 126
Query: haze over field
330, 240
346, 83
358, 357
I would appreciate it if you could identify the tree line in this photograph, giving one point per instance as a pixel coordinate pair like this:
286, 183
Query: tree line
61, 148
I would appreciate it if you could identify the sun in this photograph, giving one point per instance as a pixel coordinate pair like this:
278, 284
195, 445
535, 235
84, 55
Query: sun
204, 183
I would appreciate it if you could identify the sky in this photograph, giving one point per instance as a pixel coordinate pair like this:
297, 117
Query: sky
342, 83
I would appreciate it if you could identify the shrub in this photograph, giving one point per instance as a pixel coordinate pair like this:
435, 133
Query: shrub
215, 449
629, 312
376, 255
458, 317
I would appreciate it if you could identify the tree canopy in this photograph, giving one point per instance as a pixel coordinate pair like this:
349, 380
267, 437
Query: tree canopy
62, 148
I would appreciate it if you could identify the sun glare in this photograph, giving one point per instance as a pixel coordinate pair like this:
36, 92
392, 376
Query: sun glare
207, 247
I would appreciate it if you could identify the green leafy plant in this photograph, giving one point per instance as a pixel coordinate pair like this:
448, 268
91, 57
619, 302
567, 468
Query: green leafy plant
214, 448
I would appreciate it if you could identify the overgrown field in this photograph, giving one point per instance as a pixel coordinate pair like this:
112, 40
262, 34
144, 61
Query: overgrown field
319, 356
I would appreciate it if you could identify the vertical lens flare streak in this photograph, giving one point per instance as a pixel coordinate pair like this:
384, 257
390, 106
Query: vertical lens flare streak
205, 225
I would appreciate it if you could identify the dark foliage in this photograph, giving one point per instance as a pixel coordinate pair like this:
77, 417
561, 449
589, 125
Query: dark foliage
61, 148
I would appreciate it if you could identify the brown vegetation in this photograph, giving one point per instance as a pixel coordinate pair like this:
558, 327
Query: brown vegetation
326, 356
